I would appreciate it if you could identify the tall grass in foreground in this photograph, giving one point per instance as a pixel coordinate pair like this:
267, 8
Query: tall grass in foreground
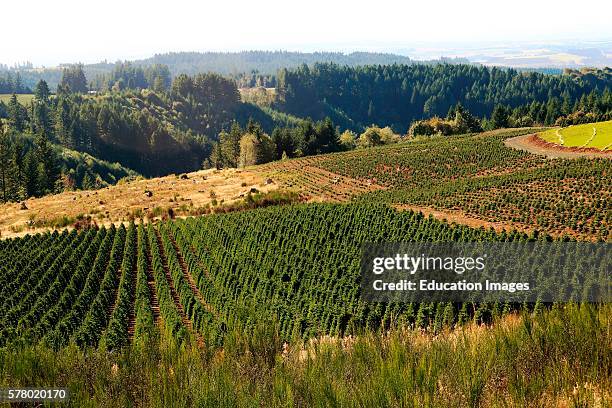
560, 357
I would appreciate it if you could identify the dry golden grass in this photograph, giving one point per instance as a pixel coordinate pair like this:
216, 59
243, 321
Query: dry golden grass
129, 200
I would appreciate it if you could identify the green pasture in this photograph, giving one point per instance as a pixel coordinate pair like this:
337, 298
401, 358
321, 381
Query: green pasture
594, 135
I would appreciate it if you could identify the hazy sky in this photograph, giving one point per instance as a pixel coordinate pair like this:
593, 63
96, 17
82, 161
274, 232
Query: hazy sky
49, 32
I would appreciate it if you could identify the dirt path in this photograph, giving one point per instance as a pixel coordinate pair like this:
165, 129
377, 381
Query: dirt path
175, 296
134, 283
189, 277
533, 144
459, 217
151, 282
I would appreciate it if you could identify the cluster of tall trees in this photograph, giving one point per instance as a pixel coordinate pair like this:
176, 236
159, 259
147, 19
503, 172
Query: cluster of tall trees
592, 107
240, 147
213, 93
126, 75
459, 120
28, 169
73, 80
12, 83
397, 95
254, 79
151, 132
30, 165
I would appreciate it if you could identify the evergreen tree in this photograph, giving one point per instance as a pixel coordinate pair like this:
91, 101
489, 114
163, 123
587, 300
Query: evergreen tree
41, 92
64, 124
230, 145
48, 169
16, 114
327, 137
216, 157
30, 174
73, 80
5, 165
500, 117
42, 120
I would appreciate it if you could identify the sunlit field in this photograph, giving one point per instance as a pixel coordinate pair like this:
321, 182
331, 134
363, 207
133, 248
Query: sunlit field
590, 135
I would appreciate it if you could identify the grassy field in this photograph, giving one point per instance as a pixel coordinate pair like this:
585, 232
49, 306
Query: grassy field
590, 135
556, 358
125, 200
23, 99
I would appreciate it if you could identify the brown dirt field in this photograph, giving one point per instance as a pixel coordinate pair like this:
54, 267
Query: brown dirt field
117, 203
533, 144
318, 184
459, 217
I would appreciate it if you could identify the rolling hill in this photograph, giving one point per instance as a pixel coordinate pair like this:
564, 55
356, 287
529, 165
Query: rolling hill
482, 183
267, 294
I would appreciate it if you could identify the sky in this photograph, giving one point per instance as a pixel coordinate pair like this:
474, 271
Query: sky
47, 33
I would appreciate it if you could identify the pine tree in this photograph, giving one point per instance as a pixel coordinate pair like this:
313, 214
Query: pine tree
41, 92
30, 174
48, 171
73, 79
15, 114
500, 117
18, 155
5, 165
64, 124
216, 157
42, 120
230, 146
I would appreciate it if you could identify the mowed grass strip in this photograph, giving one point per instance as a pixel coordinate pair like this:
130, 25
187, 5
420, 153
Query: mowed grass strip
582, 135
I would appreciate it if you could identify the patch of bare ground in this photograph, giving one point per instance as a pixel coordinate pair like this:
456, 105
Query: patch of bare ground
459, 217
148, 198
134, 199
533, 144
316, 183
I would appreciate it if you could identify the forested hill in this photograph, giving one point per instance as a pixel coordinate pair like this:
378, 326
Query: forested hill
396, 95
32, 167
154, 132
264, 62
224, 63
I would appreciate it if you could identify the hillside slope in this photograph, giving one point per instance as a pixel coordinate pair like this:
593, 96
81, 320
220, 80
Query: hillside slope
474, 179
471, 179
141, 198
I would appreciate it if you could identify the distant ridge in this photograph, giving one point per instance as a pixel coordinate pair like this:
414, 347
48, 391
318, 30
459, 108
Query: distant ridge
226, 63
268, 62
